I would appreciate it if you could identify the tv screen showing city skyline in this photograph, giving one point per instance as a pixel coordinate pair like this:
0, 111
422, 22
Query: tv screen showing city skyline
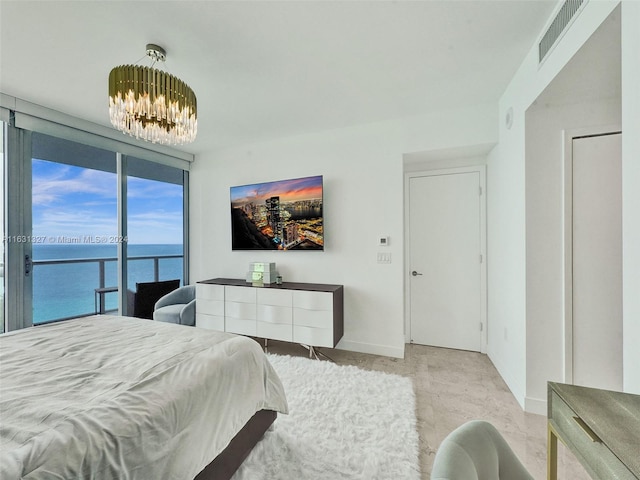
280, 215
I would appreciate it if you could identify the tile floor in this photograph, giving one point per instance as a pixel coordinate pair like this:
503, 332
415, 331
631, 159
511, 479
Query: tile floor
452, 387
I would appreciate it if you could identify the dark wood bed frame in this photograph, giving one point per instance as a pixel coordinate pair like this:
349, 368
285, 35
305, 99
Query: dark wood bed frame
224, 465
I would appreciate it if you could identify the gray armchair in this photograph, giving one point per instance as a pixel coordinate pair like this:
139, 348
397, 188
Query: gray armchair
178, 306
477, 451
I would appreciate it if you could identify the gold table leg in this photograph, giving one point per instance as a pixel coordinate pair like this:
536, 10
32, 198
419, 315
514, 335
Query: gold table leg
552, 454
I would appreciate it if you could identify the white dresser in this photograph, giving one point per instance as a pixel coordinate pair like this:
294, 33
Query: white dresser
306, 313
210, 306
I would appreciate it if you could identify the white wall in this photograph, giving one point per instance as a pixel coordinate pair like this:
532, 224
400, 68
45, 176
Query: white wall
506, 183
631, 194
505, 262
544, 167
362, 168
363, 199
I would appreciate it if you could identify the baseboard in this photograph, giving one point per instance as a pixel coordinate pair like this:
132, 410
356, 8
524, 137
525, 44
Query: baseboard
506, 375
528, 404
374, 349
535, 405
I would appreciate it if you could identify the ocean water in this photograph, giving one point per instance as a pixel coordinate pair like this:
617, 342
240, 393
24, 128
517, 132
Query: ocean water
68, 290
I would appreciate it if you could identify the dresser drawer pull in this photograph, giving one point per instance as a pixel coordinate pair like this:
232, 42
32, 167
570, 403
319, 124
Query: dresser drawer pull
585, 428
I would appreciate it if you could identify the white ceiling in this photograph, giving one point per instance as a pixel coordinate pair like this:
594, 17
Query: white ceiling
266, 69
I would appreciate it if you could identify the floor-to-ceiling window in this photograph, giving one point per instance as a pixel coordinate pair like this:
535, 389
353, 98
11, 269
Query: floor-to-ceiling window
74, 228
4, 239
155, 223
94, 215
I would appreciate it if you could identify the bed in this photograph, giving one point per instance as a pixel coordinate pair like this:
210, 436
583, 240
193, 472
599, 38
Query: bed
111, 397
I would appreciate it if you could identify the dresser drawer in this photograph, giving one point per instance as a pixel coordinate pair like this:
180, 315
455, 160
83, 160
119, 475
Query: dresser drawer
209, 292
274, 314
313, 318
240, 326
592, 453
268, 296
240, 294
210, 307
313, 300
316, 337
246, 311
275, 331
210, 322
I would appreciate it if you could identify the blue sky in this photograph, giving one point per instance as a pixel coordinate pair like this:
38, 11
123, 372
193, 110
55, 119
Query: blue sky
77, 202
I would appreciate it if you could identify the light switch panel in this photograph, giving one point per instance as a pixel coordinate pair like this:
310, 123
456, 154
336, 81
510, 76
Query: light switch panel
384, 257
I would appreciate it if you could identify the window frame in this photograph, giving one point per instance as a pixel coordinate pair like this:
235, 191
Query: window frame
20, 119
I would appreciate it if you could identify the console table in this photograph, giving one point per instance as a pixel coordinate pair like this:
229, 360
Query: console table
600, 427
306, 313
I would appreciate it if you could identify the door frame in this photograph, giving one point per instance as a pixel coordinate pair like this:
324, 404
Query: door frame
18, 282
481, 170
568, 136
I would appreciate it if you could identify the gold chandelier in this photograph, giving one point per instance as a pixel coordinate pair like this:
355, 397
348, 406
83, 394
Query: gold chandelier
151, 104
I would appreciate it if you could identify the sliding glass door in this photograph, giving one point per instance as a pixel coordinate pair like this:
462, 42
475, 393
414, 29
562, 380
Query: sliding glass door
92, 222
74, 229
155, 222
2, 215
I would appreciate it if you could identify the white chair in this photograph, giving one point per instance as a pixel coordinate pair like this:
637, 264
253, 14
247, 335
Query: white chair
477, 451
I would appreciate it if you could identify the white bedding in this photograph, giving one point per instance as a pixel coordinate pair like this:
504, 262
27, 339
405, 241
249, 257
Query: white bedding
110, 397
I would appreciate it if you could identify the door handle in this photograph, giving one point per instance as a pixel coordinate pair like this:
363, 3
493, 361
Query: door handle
28, 265
415, 274
587, 430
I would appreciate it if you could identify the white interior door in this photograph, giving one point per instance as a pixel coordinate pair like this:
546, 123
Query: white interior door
597, 261
445, 273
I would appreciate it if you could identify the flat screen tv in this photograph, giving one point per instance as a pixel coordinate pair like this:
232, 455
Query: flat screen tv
282, 215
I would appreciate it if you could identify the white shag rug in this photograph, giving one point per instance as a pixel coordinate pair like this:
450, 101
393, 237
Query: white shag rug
344, 423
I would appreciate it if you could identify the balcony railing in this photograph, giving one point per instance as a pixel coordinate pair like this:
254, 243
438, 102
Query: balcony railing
100, 288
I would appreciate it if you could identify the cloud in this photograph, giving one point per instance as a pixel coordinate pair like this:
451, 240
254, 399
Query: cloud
54, 222
156, 226
54, 187
144, 188
75, 201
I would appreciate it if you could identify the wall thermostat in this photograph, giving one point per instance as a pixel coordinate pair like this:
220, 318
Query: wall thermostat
383, 241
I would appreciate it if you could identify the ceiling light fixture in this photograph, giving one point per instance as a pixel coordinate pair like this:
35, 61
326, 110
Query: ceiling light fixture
151, 104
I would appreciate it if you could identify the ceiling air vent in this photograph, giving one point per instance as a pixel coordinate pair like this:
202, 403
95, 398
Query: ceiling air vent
566, 13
